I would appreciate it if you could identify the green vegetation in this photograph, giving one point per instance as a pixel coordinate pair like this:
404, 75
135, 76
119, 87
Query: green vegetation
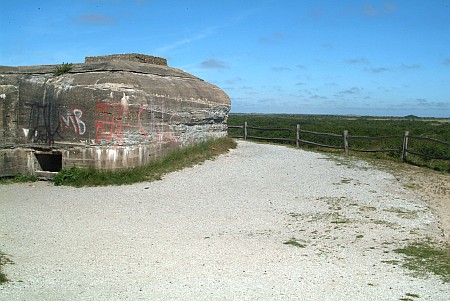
64, 68
4, 260
357, 126
18, 178
178, 159
340, 221
412, 295
425, 257
294, 242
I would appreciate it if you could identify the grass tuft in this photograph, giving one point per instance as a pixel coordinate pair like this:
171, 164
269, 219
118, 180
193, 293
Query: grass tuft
341, 221
295, 243
18, 178
176, 160
424, 257
64, 68
4, 260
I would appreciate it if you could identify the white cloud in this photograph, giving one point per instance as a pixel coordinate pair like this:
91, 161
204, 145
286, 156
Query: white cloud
352, 90
274, 38
206, 33
387, 8
95, 19
233, 80
355, 61
280, 69
378, 69
410, 67
180, 43
213, 64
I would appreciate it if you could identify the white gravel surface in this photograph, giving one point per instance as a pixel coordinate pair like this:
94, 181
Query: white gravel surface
217, 232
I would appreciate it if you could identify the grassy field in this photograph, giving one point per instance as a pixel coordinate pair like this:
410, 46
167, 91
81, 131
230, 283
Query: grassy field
358, 126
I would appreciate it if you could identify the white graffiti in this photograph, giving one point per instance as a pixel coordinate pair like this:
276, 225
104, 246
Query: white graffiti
125, 104
25, 132
73, 120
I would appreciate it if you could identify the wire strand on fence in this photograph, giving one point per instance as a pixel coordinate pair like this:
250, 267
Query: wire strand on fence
272, 139
319, 133
375, 138
429, 139
346, 138
270, 129
319, 144
387, 150
411, 151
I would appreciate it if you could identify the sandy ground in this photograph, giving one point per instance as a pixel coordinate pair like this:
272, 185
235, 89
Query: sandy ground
433, 187
218, 231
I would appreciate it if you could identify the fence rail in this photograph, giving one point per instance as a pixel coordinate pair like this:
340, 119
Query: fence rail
405, 148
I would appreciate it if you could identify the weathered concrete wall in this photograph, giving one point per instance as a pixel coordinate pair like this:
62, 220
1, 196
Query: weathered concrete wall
132, 57
112, 112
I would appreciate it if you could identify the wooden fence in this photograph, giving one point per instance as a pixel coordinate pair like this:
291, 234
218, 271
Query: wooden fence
406, 137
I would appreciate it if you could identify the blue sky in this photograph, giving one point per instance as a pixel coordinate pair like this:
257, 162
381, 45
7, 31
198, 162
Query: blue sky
380, 58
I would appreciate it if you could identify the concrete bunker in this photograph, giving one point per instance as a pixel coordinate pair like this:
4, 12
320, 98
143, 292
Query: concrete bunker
110, 112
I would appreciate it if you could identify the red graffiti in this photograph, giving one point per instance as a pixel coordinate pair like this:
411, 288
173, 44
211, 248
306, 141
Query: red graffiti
112, 126
118, 122
158, 127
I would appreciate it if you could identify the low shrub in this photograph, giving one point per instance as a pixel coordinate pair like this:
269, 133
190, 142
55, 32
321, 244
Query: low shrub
62, 69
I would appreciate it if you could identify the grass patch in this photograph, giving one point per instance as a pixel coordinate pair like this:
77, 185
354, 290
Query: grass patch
412, 295
424, 257
403, 213
4, 260
176, 160
341, 221
295, 243
385, 223
18, 178
394, 262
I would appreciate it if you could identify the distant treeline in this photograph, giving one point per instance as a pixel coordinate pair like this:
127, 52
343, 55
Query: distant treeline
393, 128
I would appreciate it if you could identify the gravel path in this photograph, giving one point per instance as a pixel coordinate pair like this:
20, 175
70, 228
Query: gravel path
217, 231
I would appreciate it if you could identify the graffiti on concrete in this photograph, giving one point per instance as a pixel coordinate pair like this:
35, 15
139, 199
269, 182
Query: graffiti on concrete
112, 123
121, 122
43, 123
46, 122
118, 122
158, 123
72, 120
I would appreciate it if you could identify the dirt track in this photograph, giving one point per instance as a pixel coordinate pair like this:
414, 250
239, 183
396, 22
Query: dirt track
263, 222
433, 187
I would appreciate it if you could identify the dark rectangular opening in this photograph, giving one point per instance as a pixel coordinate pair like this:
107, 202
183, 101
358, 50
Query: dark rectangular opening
49, 161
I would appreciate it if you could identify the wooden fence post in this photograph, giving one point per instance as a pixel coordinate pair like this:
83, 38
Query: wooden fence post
346, 142
245, 130
297, 139
405, 146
